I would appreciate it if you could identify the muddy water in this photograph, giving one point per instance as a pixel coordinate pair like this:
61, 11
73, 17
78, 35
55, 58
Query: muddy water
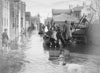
39, 62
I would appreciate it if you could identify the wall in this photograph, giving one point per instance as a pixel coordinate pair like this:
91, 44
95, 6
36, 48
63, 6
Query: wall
12, 19
1, 27
23, 9
6, 15
28, 19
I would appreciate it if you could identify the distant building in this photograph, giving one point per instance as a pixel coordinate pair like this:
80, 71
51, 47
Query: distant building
35, 20
28, 19
48, 22
76, 11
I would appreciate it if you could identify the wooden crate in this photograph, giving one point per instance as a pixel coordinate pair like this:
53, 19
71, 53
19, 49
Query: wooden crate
54, 53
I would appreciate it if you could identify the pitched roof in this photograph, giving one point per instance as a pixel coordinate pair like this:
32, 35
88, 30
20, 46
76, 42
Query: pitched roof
64, 17
78, 8
60, 11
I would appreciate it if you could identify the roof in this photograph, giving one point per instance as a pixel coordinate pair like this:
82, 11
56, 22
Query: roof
64, 17
60, 11
78, 8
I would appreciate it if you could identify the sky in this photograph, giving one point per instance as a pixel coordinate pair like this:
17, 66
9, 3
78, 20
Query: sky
44, 7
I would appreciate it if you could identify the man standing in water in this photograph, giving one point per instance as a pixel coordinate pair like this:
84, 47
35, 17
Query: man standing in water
5, 38
68, 35
68, 30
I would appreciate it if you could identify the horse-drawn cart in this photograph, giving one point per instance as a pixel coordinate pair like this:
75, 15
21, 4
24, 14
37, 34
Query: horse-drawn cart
80, 34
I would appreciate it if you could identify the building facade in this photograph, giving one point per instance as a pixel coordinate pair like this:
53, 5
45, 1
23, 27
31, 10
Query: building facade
28, 19
1, 19
23, 10
4, 17
76, 11
17, 18
12, 18
14, 10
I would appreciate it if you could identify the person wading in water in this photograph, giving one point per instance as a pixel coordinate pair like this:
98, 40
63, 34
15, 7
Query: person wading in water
5, 38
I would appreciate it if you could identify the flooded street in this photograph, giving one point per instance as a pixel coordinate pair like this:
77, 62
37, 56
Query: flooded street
39, 62
50, 36
38, 58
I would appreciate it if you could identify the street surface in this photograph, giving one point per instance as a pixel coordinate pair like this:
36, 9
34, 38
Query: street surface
39, 62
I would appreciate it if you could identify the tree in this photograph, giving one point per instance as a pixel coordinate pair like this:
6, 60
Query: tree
96, 6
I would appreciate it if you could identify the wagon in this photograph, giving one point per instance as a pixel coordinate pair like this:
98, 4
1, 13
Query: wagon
80, 34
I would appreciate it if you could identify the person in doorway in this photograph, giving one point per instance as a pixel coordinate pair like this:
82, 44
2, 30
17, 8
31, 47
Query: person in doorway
5, 38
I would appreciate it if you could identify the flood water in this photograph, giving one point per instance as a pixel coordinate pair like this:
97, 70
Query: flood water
39, 62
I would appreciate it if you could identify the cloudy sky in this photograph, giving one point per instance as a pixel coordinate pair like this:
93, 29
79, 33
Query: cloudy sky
44, 7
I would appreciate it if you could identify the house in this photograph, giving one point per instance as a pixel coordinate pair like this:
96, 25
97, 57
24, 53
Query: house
76, 11
48, 20
4, 17
17, 18
27, 19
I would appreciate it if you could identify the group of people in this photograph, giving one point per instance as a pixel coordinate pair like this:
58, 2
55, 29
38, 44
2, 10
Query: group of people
59, 36
63, 36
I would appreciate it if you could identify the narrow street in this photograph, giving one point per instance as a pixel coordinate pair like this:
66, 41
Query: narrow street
50, 36
39, 62
38, 58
